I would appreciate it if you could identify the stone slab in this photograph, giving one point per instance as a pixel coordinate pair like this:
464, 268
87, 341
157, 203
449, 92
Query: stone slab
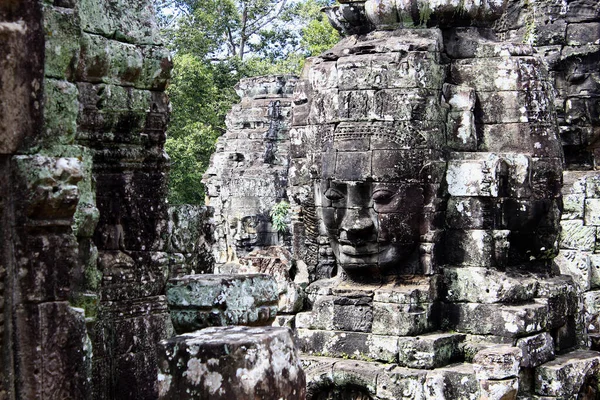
199, 301
244, 363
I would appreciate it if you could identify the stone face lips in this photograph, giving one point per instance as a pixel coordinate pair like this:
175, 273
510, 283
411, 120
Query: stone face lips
199, 301
231, 363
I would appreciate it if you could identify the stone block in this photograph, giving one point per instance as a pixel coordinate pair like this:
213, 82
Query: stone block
498, 362
60, 112
505, 389
401, 383
356, 345
156, 68
318, 371
454, 382
594, 271
592, 185
198, 301
403, 319
591, 304
342, 313
515, 106
535, 137
430, 350
324, 75
592, 212
576, 264
470, 247
62, 42
501, 74
583, 33
473, 177
498, 319
360, 374
567, 374
484, 285
421, 290
573, 206
537, 349
231, 363
577, 236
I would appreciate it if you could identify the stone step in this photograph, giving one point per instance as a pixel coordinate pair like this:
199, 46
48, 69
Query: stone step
568, 375
333, 377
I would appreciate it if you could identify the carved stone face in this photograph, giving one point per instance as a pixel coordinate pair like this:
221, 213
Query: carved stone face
249, 231
373, 217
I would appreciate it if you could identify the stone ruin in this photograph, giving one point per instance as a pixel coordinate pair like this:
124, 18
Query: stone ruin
440, 166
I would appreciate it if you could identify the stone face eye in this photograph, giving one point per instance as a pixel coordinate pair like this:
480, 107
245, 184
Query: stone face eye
334, 194
383, 196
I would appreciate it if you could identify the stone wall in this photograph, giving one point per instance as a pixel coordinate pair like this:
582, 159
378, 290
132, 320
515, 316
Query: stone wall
84, 217
567, 36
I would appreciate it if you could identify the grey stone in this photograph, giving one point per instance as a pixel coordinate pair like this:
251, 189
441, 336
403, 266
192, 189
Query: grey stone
577, 236
576, 264
566, 375
483, 285
403, 319
199, 301
505, 389
498, 362
355, 345
498, 319
430, 350
537, 349
203, 363
452, 382
401, 383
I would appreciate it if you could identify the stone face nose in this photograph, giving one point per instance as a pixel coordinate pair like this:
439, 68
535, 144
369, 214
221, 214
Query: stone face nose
356, 224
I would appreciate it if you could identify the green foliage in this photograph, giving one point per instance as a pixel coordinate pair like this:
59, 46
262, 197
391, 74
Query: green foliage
190, 155
280, 216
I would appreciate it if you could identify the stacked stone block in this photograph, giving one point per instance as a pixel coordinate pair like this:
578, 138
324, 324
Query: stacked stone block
488, 232
255, 145
85, 205
237, 355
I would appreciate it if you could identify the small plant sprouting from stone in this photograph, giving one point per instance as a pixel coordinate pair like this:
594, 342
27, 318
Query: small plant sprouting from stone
279, 216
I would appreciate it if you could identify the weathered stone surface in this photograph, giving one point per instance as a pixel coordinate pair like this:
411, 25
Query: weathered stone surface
356, 345
483, 285
452, 382
497, 319
430, 350
191, 235
231, 362
200, 301
401, 383
577, 236
566, 376
404, 319
537, 349
499, 362
54, 345
576, 264
505, 389
277, 262
257, 138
